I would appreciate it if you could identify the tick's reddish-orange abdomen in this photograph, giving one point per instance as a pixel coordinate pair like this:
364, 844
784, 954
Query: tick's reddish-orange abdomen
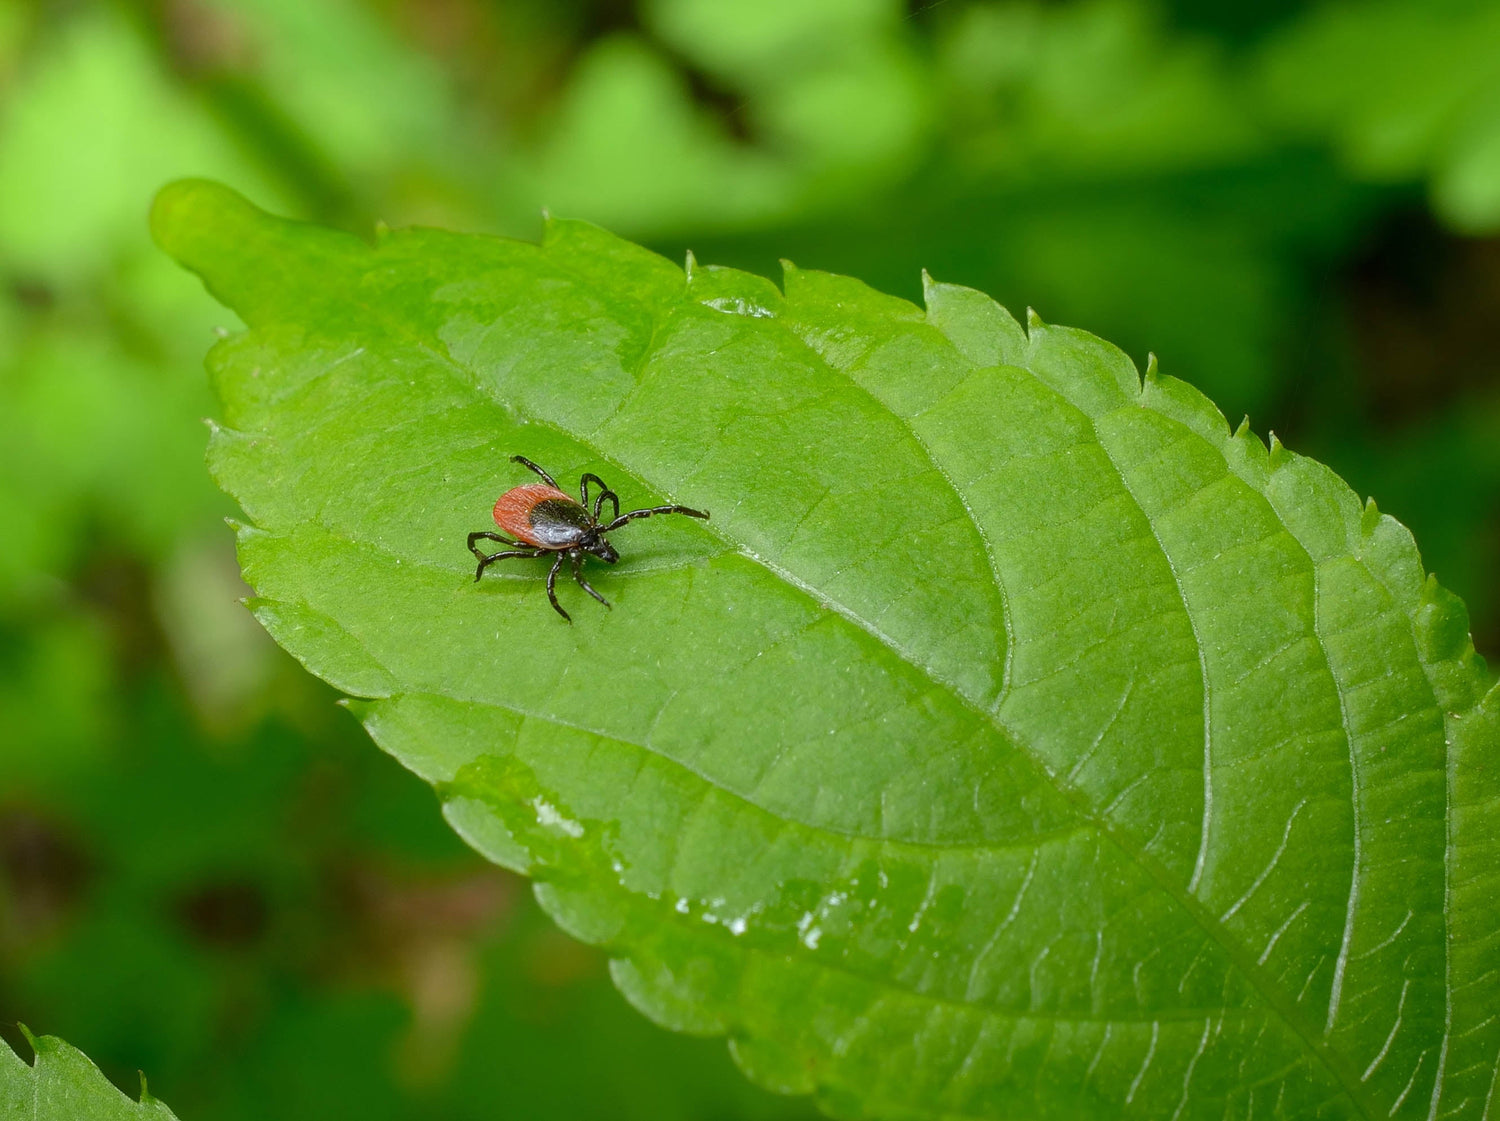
513, 510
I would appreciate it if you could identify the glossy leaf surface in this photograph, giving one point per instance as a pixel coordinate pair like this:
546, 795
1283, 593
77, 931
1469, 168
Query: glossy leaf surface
62, 1085
1014, 740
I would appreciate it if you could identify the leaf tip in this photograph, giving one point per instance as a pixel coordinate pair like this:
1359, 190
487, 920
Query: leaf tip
689, 263
1244, 429
1033, 320
1153, 370
185, 208
1369, 517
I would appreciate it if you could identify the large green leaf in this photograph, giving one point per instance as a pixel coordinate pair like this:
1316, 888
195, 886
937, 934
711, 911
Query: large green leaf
1014, 740
62, 1085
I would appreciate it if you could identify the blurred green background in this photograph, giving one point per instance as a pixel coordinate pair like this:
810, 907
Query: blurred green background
206, 870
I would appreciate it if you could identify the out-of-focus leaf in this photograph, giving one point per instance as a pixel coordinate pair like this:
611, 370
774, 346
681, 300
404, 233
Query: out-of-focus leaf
628, 144
55, 701
223, 658
15, 18
758, 44
843, 104
1404, 89
375, 110
97, 399
838, 89
94, 438
1093, 88
1035, 746
62, 1085
89, 131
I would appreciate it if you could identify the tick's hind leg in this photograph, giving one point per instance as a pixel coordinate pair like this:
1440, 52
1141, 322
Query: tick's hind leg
524, 462
552, 587
486, 559
485, 562
487, 535
582, 583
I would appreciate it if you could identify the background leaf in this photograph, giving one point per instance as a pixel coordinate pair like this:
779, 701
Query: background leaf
62, 1085
1014, 739
1400, 93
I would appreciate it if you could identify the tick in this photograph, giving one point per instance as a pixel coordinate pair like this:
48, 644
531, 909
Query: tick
545, 520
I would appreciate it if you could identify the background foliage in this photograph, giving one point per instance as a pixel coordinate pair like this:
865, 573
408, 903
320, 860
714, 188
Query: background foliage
204, 871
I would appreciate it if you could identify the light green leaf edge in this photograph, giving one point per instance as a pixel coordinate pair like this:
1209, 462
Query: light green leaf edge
63, 1085
684, 972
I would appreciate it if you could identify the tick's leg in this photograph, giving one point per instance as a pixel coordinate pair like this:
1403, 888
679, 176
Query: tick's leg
650, 512
582, 583
583, 487
599, 503
552, 587
604, 492
524, 462
486, 535
485, 561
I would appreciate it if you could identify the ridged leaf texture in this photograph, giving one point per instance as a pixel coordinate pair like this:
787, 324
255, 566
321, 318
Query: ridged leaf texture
1015, 741
61, 1084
